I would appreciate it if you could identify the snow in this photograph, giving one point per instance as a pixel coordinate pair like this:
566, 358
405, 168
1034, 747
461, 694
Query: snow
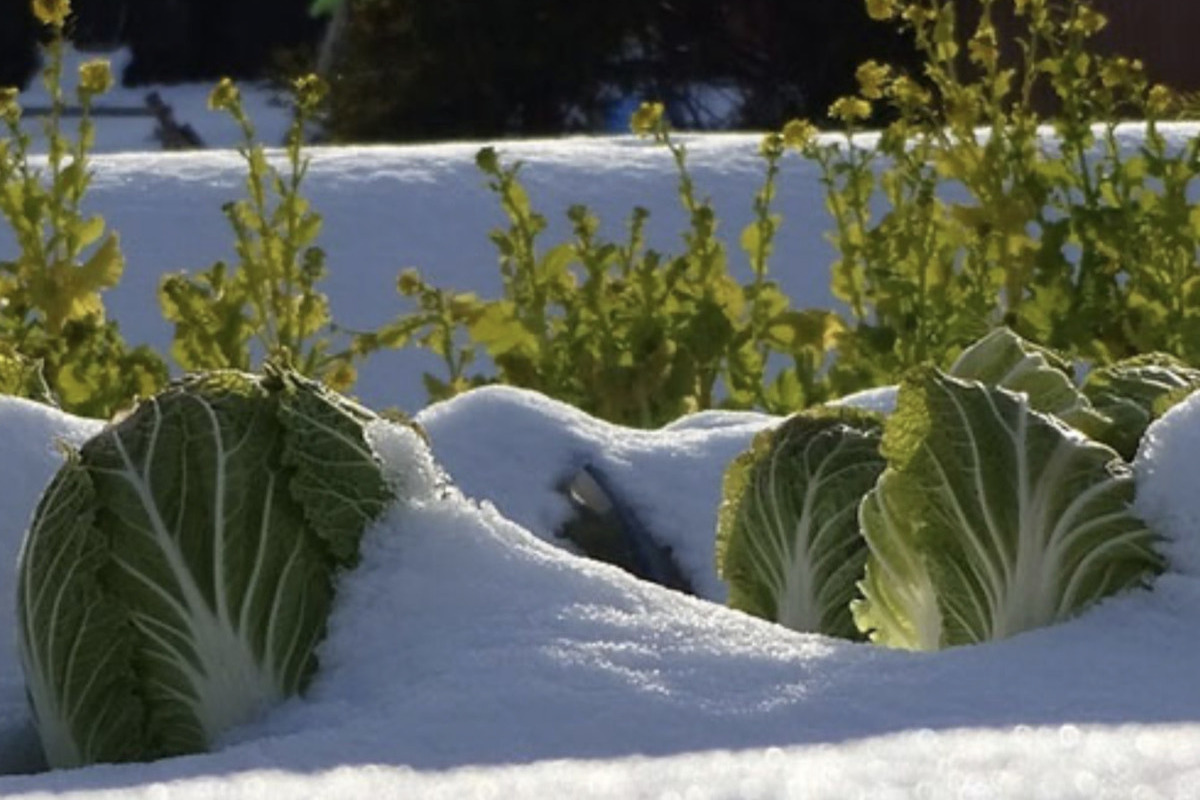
468, 657
472, 655
1167, 464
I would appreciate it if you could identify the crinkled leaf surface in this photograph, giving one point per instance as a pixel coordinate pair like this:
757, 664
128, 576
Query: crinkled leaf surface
1134, 392
178, 573
787, 536
991, 519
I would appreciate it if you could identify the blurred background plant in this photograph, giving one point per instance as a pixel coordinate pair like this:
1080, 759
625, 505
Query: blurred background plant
56, 342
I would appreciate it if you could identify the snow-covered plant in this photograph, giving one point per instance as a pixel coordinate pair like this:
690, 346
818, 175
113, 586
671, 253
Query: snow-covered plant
179, 569
991, 519
787, 535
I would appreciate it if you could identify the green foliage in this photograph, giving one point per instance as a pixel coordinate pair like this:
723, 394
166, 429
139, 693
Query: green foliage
179, 569
622, 331
992, 516
269, 300
958, 217
51, 307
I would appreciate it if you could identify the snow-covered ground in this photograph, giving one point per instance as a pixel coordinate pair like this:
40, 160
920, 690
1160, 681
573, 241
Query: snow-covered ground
470, 655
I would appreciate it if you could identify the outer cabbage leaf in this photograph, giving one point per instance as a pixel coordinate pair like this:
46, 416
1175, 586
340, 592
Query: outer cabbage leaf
1134, 392
1004, 359
178, 572
991, 519
787, 535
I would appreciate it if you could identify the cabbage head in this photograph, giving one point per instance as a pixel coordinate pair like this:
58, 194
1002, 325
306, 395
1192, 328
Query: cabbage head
788, 542
991, 519
179, 569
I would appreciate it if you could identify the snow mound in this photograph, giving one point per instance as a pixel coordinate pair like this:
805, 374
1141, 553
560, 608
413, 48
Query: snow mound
1168, 469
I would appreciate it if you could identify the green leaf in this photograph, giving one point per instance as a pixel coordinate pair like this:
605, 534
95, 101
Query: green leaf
336, 478
991, 519
1005, 360
787, 531
498, 330
76, 642
1135, 392
216, 516
103, 270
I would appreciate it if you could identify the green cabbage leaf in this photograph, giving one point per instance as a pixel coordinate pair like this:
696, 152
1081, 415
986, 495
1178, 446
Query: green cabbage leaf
1135, 392
787, 537
991, 519
179, 570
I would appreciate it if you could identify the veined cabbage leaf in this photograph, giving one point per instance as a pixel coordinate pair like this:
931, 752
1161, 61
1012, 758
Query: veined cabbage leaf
787, 536
1114, 405
991, 519
1134, 392
1005, 360
178, 572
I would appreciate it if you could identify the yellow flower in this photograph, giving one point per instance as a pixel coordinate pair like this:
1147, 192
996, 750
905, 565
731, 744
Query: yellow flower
1090, 21
983, 48
1159, 100
52, 12
881, 10
850, 109
872, 79
409, 283
771, 146
310, 91
799, 134
463, 306
10, 109
648, 119
95, 77
1120, 71
909, 93
224, 96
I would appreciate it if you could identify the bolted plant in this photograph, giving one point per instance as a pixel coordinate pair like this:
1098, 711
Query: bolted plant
268, 304
58, 343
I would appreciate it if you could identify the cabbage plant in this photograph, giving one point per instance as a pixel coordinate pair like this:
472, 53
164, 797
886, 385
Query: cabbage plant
1005, 360
991, 519
1133, 393
1115, 404
787, 538
179, 569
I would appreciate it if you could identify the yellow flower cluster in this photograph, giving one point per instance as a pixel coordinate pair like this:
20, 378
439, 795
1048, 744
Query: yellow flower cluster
310, 91
1089, 21
1159, 100
799, 134
910, 94
873, 79
881, 10
983, 47
52, 12
95, 77
850, 109
224, 96
409, 282
1121, 71
10, 109
648, 119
